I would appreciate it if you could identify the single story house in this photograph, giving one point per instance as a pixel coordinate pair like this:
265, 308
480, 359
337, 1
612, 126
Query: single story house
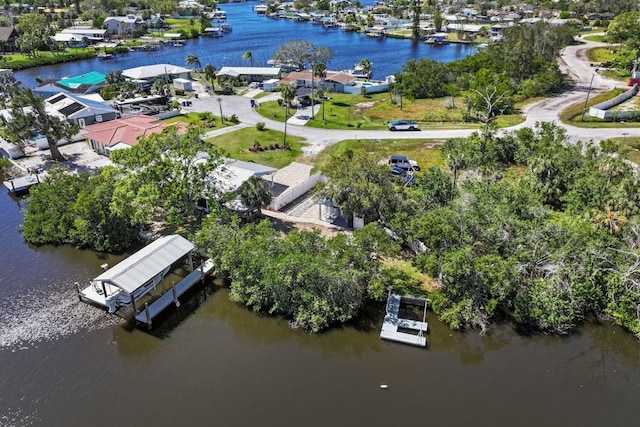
334, 80
466, 28
80, 110
122, 24
124, 133
81, 34
151, 73
250, 73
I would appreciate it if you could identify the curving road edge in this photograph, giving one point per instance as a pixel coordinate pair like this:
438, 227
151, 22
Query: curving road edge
573, 62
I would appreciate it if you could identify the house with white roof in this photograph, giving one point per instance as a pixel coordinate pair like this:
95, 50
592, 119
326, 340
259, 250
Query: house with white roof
151, 73
253, 73
80, 34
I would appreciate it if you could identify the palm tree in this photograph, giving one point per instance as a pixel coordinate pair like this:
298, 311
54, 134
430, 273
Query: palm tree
193, 60
249, 56
210, 73
366, 66
320, 71
611, 220
255, 195
288, 93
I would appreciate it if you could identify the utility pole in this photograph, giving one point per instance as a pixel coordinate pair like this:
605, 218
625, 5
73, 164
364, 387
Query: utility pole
586, 101
220, 105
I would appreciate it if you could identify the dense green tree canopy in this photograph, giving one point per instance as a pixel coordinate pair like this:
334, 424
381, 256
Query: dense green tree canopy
166, 174
313, 281
301, 54
75, 208
548, 248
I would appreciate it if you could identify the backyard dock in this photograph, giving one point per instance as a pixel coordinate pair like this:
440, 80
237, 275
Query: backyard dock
152, 310
393, 324
138, 281
22, 184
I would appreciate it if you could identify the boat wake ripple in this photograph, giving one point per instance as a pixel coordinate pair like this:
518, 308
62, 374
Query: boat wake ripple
45, 315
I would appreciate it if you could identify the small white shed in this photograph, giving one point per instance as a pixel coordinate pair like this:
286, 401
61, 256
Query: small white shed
270, 85
183, 84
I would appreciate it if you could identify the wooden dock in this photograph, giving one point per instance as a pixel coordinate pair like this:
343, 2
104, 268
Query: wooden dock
392, 322
22, 184
156, 307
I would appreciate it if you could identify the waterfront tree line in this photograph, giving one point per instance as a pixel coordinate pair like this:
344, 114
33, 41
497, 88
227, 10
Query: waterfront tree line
525, 227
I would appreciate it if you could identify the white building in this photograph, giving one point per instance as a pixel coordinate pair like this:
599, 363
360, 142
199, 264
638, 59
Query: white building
152, 72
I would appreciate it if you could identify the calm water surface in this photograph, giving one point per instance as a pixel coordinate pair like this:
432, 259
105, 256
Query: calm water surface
262, 36
64, 363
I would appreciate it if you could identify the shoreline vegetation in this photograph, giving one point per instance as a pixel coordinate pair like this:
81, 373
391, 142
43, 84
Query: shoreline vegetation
521, 225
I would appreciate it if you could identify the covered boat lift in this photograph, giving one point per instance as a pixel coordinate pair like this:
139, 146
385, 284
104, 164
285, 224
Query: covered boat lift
128, 282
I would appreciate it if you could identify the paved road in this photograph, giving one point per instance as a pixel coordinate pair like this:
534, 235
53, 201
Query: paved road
574, 61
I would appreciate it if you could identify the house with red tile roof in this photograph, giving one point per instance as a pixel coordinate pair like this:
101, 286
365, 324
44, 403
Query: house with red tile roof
123, 133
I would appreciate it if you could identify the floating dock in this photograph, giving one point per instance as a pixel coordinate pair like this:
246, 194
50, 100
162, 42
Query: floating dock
22, 184
134, 280
393, 325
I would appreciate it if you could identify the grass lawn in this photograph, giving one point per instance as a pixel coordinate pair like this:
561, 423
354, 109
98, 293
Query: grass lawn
600, 54
18, 61
373, 112
629, 148
620, 75
236, 146
573, 114
424, 151
196, 118
595, 38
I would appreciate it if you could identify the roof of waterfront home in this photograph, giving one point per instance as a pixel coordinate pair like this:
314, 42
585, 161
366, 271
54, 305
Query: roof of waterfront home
90, 78
72, 106
249, 71
331, 76
151, 71
147, 263
127, 130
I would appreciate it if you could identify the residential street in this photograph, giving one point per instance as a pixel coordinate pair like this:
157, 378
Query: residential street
575, 64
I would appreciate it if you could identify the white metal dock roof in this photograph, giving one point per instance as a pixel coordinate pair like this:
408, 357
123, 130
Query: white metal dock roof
147, 263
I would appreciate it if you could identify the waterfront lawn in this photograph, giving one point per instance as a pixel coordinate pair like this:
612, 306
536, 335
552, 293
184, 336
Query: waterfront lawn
19, 61
236, 146
424, 151
573, 114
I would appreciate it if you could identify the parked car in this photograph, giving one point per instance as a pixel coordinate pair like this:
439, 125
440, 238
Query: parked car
405, 177
404, 163
403, 125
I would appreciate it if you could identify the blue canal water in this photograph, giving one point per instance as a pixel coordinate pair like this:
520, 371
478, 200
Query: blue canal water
262, 36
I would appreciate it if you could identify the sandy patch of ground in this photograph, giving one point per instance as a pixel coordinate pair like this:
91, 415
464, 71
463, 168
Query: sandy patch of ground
78, 154
362, 106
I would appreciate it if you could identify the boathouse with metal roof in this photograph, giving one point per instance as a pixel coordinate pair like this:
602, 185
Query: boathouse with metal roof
138, 281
